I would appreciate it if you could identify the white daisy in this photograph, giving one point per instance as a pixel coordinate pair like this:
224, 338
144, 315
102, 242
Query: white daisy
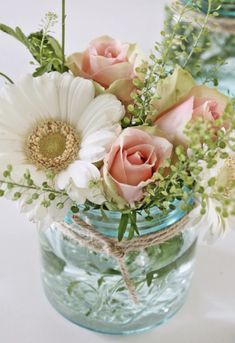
55, 123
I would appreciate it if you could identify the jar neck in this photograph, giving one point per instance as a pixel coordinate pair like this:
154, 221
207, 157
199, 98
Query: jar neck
108, 224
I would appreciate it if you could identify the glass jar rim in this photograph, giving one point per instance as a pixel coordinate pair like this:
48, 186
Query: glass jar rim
108, 225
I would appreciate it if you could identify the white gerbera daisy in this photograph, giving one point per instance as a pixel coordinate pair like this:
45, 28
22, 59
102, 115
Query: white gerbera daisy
54, 123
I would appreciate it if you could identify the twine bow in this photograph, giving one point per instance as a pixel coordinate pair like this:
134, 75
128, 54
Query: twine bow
84, 234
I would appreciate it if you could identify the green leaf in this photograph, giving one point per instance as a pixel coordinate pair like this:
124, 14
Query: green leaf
42, 70
52, 263
71, 286
17, 34
133, 226
111, 271
56, 46
100, 281
7, 29
131, 232
123, 225
211, 181
149, 278
21, 37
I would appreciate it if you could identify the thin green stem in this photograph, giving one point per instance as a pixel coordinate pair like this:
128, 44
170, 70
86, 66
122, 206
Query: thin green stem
63, 34
174, 32
6, 77
45, 32
152, 71
200, 34
37, 188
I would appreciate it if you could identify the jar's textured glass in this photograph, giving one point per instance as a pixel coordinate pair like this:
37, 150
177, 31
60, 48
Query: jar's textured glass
219, 43
88, 289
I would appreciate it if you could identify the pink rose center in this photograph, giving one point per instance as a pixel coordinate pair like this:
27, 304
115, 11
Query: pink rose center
136, 158
114, 51
134, 164
206, 107
214, 109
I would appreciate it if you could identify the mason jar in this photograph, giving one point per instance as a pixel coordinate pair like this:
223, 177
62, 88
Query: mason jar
216, 50
87, 286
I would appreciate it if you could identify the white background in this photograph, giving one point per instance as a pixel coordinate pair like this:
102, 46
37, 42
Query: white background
25, 315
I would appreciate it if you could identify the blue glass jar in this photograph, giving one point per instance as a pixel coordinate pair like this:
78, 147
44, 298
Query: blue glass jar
87, 287
219, 44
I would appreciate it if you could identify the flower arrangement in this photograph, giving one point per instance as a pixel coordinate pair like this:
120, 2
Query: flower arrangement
110, 129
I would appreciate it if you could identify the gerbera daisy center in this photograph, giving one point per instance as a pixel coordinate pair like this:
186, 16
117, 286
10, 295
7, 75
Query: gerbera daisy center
53, 145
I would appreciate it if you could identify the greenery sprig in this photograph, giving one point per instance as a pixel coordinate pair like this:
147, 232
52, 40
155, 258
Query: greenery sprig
45, 49
6, 77
161, 65
195, 40
45, 193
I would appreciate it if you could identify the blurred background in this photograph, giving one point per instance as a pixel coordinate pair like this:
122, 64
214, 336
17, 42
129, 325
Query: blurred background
25, 315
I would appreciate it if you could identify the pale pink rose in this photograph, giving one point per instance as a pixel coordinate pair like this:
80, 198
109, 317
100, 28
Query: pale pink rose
132, 161
200, 102
104, 61
110, 63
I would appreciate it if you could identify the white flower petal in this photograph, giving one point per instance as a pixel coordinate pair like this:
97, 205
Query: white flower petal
95, 146
216, 224
104, 110
92, 153
11, 145
80, 172
31, 102
15, 158
76, 180
96, 195
77, 194
75, 94
46, 94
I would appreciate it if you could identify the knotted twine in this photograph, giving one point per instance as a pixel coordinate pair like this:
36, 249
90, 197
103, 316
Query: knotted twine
86, 235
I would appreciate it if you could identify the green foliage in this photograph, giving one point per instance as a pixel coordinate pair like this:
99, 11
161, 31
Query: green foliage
45, 193
47, 52
170, 248
174, 44
123, 225
6, 77
44, 48
52, 263
197, 49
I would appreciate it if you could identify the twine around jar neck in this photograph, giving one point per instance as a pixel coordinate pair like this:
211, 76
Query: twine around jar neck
85, 235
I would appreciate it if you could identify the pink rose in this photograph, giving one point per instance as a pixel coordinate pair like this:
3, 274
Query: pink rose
201, 101
132, 161
110, 63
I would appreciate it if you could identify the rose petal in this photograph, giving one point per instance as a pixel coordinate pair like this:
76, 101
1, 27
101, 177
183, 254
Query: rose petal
210, 94
174, 121
163, 149
130, 193
117, 169
132, 161
203, 111
105, 76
